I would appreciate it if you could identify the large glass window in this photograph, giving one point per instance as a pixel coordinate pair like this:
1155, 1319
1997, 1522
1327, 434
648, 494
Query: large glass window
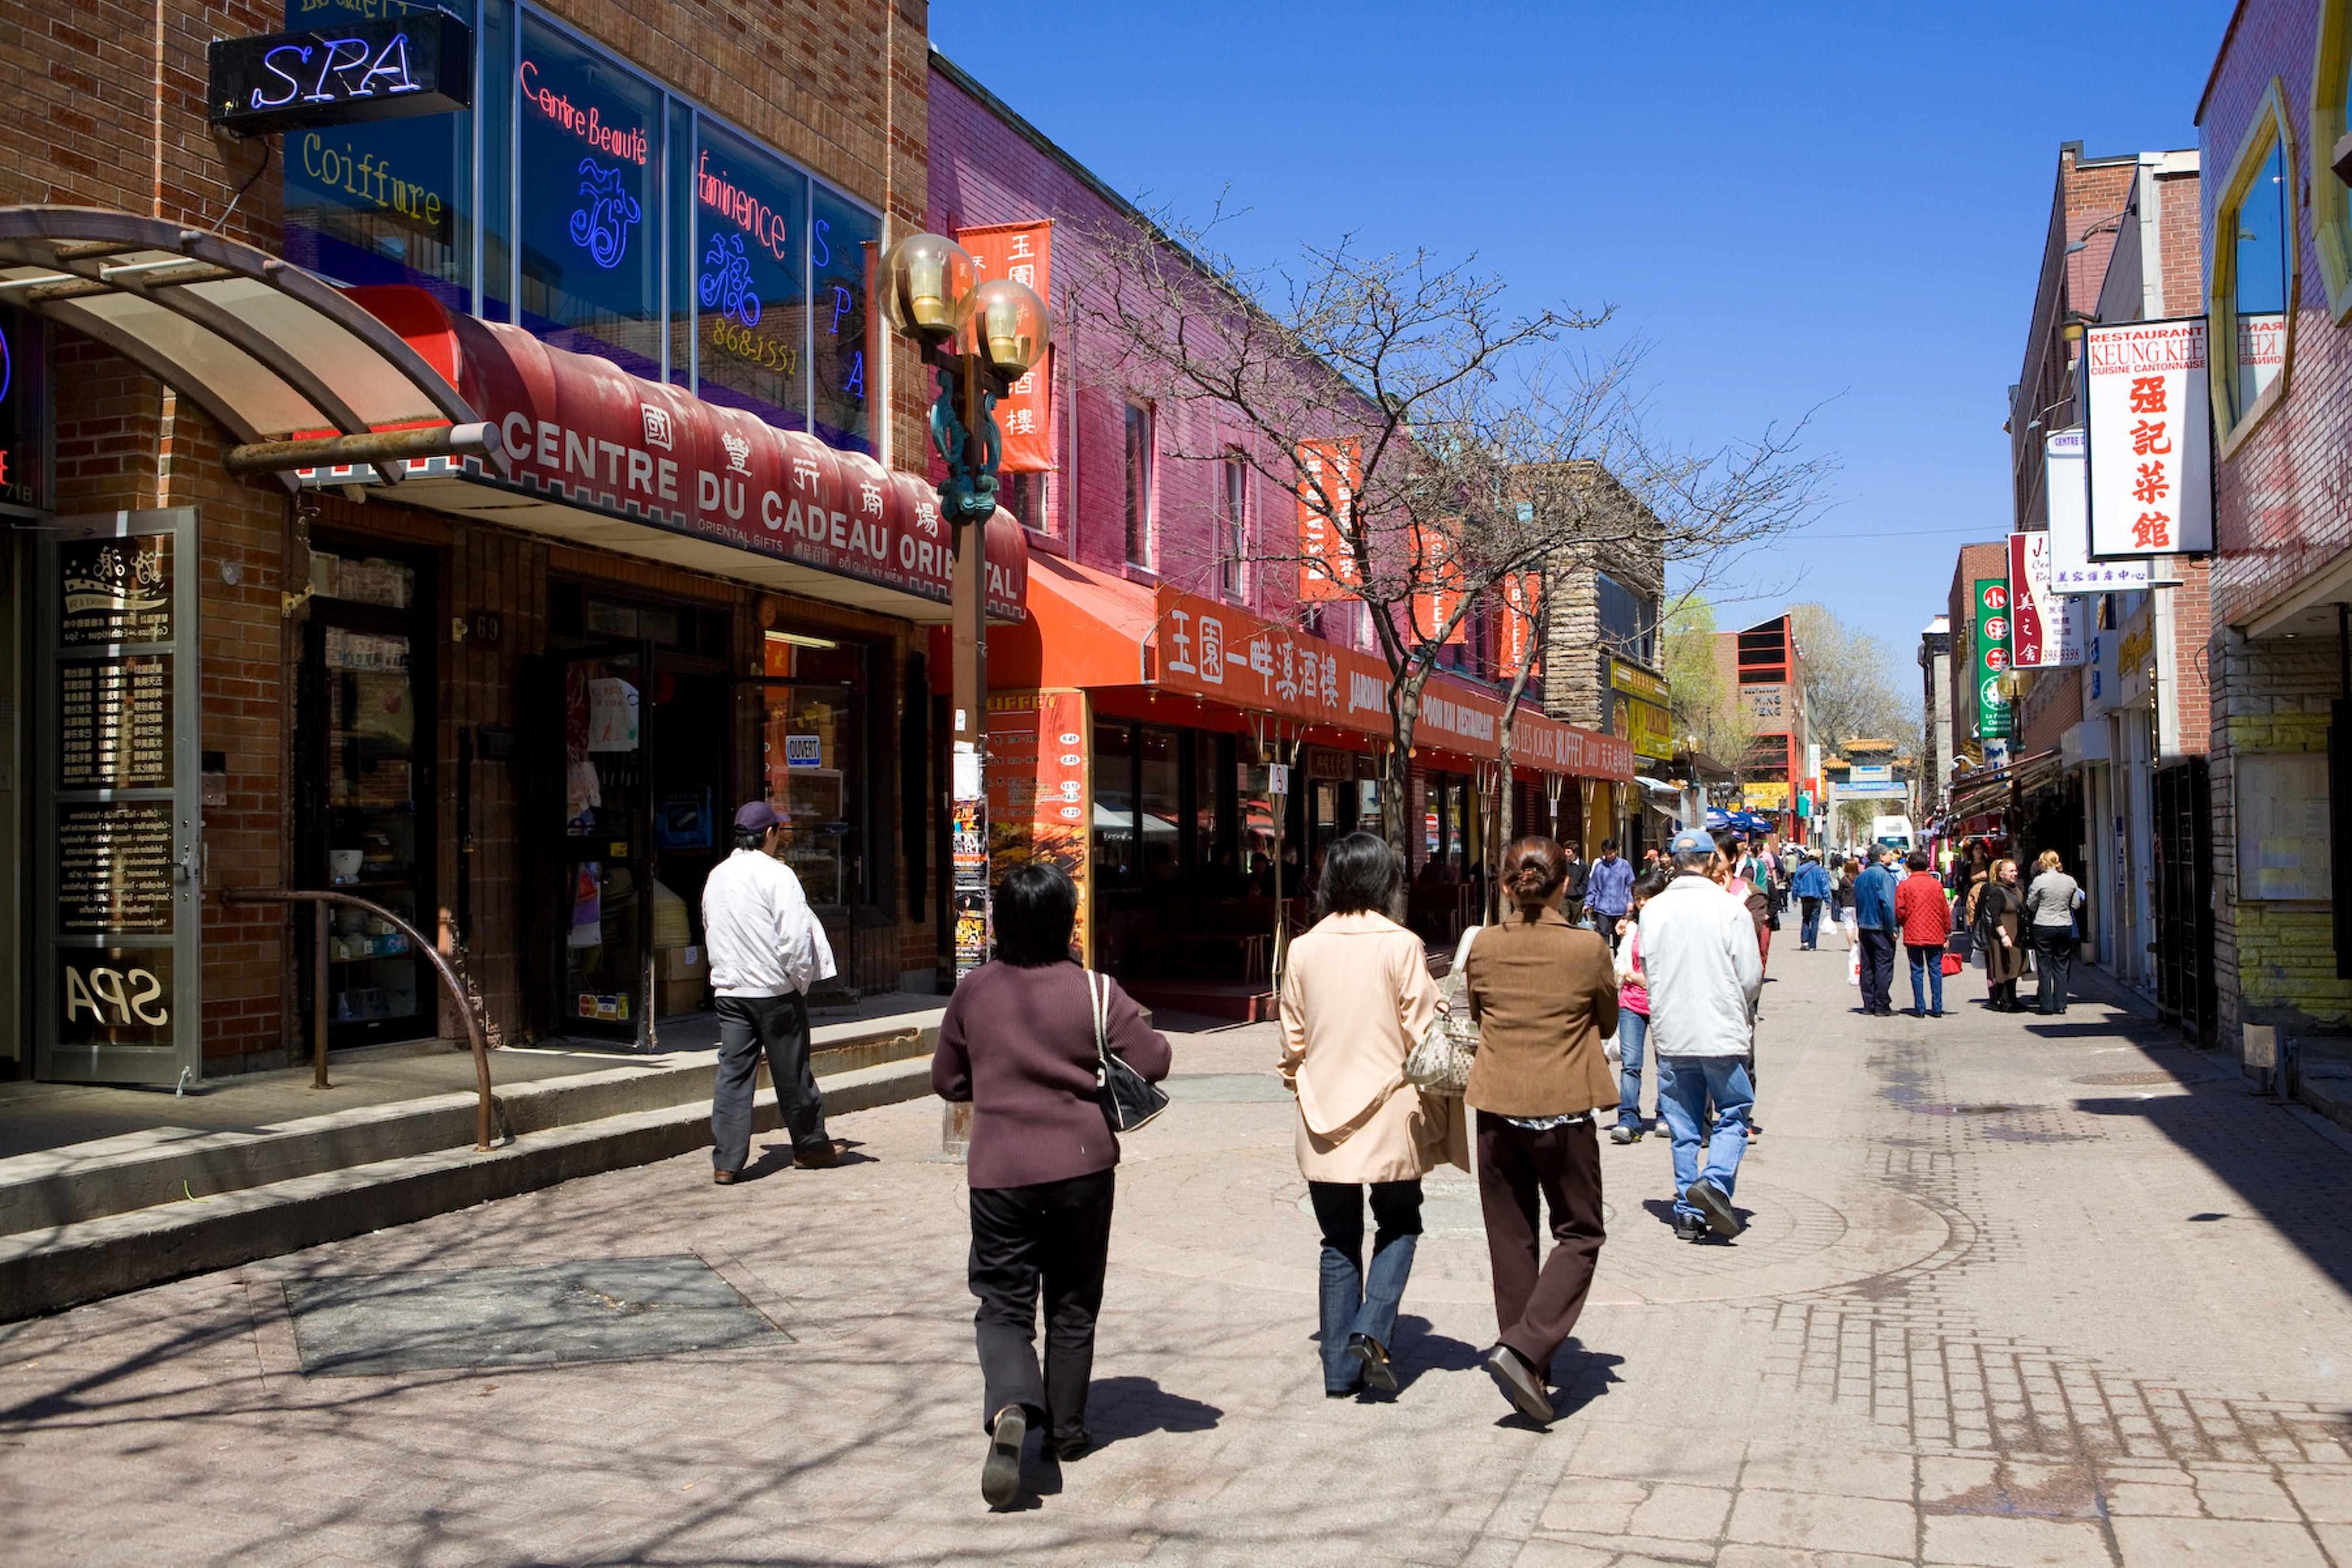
750, 279
2258, 281
1118, 862
1161, 776
386, 203
1139, 484
1628, 621
844, 252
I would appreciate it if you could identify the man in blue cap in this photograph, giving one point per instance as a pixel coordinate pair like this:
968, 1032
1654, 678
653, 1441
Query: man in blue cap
1705, 974
767, 949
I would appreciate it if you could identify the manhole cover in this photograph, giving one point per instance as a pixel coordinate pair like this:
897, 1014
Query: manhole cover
1226, 1088
614, 1308
2133, 1078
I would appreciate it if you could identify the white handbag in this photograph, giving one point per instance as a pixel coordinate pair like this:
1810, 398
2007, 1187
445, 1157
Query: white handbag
1441, 1063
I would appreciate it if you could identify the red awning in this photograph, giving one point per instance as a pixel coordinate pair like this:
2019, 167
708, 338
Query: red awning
602, 458
1090, 630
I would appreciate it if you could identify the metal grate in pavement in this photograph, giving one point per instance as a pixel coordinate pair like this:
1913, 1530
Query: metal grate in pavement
609, 1309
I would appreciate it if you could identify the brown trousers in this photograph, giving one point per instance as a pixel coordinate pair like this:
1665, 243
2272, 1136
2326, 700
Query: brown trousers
1537, 1303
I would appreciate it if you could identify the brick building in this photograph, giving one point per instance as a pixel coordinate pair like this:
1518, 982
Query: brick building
2269, 120
1764, 666
514, 697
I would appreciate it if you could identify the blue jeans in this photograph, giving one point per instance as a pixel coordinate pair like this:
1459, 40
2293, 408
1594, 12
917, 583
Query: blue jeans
1931, 960
1633, 1029
1812, 935
1355, 1301
1684, 1086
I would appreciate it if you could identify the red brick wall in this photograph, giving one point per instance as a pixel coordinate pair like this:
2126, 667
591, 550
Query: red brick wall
1975, 561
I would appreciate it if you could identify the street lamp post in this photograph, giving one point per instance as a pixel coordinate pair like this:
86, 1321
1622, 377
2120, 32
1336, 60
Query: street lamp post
979, 337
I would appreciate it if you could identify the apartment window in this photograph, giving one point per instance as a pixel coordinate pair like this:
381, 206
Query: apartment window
1029, 498
1139, 485
1232, 526
2331, 206
1628, 621
2253, 276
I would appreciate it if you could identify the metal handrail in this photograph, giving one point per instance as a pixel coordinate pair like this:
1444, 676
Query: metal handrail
319, 898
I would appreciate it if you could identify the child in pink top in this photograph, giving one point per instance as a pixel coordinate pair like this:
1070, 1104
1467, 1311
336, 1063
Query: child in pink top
1632, 1014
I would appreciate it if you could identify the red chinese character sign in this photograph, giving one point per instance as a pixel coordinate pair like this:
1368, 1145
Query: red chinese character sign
2045, 630
1023, 252
2148, 434
1326, 493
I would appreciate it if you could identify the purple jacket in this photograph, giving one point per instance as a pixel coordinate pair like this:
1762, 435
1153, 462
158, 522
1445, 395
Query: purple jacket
1020, 1044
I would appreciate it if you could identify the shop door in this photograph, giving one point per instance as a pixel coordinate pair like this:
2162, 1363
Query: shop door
119, 863
2184, 899
604, 958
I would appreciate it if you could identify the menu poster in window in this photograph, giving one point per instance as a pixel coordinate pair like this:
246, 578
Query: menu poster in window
115, 590
1037, 768
114, 867
2283, 838
612, 714
114, 996
114, 722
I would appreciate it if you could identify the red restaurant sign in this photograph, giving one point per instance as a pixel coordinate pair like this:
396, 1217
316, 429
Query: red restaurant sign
1024, 253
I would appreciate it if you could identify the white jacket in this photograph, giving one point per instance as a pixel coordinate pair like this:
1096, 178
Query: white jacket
764, 938
1705, 974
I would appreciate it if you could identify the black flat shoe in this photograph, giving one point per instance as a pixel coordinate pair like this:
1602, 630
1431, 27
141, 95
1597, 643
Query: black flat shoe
1378, 1374
1000, 1473
1708, 1199
1064, 1450
1519, 1385
1689, 1227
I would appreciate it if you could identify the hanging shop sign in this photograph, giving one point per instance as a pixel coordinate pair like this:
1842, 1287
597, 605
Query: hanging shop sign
1521, 596
1024, 253
1326, 493
2066, 476
2046, 626
1434, 563
1992, 602
419, 63
2148, 438
1641, 711
1038, 803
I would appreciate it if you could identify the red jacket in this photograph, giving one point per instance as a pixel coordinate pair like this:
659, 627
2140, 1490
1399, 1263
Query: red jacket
1923, 911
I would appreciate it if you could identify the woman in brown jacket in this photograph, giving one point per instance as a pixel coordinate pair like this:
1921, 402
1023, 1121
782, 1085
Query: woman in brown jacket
1544, 994
2001, 924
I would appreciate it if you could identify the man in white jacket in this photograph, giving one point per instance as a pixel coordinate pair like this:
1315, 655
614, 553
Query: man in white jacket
766, 950
1705, 974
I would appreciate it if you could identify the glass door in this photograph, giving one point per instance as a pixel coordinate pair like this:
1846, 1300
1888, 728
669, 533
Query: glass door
603, 929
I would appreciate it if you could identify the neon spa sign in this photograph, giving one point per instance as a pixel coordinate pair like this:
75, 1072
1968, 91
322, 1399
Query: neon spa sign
422, 63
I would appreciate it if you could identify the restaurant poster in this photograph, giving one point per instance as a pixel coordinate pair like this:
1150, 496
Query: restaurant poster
1038, 798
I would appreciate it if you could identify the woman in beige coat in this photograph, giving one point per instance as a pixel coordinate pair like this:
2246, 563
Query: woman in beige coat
1356, 998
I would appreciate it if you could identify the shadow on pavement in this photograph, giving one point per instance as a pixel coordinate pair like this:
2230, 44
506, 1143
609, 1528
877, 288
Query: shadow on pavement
1417, 1351
1131, 1407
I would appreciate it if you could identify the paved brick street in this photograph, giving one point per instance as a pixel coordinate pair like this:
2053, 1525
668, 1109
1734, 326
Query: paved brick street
2017, 1291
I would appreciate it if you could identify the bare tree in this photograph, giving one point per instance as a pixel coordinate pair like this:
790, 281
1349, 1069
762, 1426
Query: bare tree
1439, 444
1854, 687
1706, 710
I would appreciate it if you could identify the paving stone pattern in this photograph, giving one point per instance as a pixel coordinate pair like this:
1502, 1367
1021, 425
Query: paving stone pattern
2016, 1291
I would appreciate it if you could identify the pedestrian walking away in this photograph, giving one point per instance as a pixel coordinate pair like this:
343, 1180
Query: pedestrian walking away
1924, 917
2002, 933
1018, 1042
1705, 976
1607, 892
2050, 906
1577, 880
1632, 1014
766, 949
1544, 994
1876, 928
1813, 888
1356, 998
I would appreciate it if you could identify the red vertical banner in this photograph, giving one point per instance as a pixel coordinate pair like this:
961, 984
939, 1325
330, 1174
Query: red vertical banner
1038, 789
1433, 564
1023, 252
1517, 599
2025, 628
1326, 493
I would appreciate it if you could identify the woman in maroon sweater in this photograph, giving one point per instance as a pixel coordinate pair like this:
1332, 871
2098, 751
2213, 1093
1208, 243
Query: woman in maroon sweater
1018, 1042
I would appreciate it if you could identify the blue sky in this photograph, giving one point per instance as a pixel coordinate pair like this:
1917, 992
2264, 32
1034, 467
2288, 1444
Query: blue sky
1792, 206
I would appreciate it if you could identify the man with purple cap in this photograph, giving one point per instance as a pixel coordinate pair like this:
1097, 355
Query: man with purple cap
767, 949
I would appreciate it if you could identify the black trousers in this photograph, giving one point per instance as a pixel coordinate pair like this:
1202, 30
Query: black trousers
1877, 971
749, 1027
1537, 1301
2054, 964
1054, 1236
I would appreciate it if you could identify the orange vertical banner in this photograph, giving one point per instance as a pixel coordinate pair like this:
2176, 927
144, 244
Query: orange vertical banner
1023, 252
1434, 564
1520, 593
1326, 492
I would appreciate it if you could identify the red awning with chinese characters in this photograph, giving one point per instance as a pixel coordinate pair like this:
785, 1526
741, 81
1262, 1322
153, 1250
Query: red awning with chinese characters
604, 457
1091, 630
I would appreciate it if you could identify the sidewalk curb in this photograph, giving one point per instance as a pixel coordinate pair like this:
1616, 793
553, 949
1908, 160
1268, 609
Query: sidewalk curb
45, 1271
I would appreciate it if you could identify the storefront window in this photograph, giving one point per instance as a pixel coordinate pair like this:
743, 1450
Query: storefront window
589, 141
1118, 862
813, 750
2254, 272
750, 288
386, 203
1163, 805
1212, 786
845, 249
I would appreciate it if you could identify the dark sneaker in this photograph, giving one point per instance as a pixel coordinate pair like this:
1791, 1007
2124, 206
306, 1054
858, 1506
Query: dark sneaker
1519, 1385
1708, 1199
1000, 1473
1065, 1449
1620, 1133
1378, 1374
1689, 1227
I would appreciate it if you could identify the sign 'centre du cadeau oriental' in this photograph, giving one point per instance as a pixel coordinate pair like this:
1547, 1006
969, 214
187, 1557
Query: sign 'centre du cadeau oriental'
1992, 657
